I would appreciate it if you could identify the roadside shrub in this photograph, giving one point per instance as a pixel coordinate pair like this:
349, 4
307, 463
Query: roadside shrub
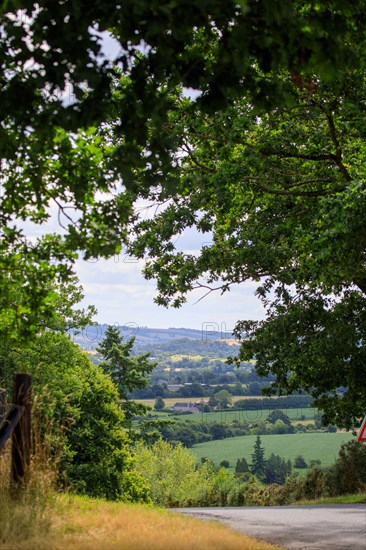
348, 474
315, 483
237, 495
175, 479
292, 490
222, 488
135, 487
172, 474
259, 494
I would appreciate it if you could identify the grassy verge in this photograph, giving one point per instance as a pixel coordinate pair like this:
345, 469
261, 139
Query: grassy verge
75, 523
345, 499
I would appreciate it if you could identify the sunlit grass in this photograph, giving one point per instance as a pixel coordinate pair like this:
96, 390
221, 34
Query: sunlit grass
84, 524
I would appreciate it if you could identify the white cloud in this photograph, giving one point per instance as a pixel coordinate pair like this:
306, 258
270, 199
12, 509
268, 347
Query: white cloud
122, 295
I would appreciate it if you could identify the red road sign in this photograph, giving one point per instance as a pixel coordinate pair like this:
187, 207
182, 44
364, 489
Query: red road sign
362, 433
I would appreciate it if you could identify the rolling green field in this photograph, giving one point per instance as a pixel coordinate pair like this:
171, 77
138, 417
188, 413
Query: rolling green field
322, 446
252, 415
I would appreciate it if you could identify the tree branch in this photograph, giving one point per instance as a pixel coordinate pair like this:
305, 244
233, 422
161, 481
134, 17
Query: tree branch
210, 289
61, 209
188, 150
296, 155
287, 193
333, 135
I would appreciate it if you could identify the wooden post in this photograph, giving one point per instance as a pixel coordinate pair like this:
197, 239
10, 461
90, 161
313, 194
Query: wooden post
21, 439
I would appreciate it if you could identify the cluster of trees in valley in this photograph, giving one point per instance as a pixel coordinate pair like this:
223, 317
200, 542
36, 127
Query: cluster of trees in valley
176, 479
202, 429
190, 433
197, 368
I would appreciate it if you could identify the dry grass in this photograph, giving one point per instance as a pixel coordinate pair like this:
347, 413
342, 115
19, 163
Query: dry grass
85, 524
26, 511
39, 519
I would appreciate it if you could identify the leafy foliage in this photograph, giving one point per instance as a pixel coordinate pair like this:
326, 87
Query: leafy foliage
268, 161
348, 475
279, 193
176, 480
81, 405
170, 472
83, 134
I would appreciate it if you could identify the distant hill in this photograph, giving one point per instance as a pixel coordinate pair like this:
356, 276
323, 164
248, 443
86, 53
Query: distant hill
90, 337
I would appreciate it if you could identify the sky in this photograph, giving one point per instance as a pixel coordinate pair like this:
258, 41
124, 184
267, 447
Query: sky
117, 288
122, 296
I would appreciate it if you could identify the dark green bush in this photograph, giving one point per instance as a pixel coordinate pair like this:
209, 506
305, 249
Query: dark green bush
76, 396
348, 474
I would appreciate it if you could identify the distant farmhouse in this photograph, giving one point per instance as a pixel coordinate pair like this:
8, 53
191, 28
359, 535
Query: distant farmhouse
174, 387
187, 407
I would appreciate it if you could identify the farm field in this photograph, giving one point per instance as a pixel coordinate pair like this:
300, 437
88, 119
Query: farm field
322, 446
179, 356
252, 415
170, 401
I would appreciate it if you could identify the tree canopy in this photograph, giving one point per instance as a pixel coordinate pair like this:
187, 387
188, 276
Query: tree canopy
79, 125
278, 196
267, 162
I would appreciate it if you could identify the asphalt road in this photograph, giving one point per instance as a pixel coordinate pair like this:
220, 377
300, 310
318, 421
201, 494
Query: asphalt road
329, 526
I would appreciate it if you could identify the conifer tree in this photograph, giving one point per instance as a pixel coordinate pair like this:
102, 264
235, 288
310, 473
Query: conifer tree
128, 372
258, 465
